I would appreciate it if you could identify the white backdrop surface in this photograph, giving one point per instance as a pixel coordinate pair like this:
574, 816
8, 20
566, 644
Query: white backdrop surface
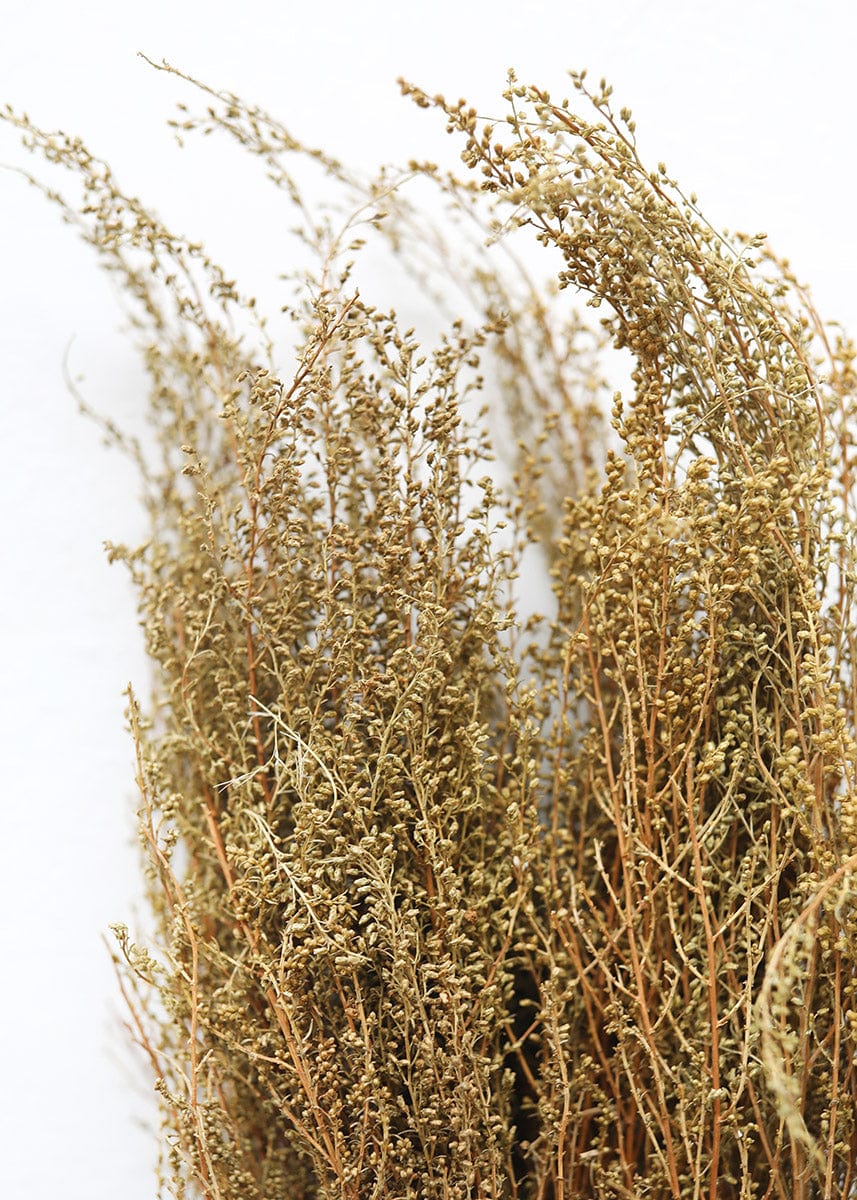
751, 104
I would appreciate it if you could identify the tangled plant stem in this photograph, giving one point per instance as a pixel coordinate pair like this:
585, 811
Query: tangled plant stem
451, 903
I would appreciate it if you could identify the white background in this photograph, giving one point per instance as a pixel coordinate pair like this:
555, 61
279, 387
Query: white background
752, 104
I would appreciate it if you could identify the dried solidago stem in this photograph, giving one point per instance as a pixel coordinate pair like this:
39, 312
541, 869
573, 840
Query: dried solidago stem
449, 903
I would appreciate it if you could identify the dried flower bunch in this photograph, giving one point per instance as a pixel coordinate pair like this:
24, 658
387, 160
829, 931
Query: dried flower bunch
450, 902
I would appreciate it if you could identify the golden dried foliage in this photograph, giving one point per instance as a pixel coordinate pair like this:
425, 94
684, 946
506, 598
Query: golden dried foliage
451, 903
